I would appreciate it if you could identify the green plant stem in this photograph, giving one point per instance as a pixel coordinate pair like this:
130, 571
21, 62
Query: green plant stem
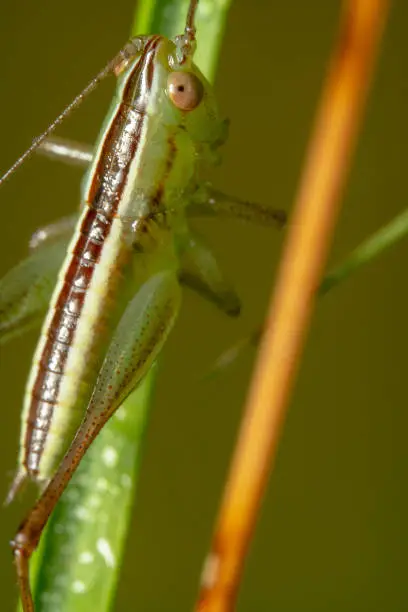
77, 565
367, 251
168, 17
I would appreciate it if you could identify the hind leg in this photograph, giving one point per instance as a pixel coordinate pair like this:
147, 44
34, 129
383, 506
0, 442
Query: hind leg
136, 344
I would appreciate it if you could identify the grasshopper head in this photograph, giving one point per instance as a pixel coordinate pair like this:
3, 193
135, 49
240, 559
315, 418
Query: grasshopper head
162, 82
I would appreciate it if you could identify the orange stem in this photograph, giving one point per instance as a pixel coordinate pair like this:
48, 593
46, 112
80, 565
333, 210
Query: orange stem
316, 209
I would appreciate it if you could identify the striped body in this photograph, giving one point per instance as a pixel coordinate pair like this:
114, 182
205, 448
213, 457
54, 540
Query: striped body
134, 199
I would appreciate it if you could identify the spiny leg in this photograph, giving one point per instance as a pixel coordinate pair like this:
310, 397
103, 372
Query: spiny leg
199, 271
136, 343
67, 151
208, 201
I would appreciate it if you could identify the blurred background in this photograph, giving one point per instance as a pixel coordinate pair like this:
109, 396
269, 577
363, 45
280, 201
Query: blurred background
333, 533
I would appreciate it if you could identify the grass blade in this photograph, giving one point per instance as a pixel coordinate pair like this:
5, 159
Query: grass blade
367, 251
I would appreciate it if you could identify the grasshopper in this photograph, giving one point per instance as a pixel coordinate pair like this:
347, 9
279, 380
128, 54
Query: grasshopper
118, 267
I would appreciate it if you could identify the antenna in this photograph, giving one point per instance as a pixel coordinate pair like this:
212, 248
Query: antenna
186, 43
190, 27
122, 56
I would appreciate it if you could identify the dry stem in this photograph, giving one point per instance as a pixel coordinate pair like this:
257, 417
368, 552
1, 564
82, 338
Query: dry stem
309, 236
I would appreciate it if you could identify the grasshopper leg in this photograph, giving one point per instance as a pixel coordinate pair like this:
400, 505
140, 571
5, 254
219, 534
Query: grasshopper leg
18, 483
200, 271
208, 201
136, 343
67, 151
25, 291
60, 230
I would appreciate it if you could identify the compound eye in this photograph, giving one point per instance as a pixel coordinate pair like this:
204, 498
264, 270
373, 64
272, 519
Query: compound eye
185, 90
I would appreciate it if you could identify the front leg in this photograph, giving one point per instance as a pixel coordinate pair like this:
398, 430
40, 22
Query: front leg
136, 343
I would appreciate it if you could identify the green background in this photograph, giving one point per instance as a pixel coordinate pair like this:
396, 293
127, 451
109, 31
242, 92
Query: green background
333, 532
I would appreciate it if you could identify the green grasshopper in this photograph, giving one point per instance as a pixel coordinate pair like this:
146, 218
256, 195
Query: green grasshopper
110, 279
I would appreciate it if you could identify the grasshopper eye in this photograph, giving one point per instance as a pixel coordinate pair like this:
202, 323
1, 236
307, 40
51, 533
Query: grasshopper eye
185, 90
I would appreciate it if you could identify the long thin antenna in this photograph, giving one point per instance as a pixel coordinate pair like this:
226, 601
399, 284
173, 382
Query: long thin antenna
110, 67
186, 42
190, 27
